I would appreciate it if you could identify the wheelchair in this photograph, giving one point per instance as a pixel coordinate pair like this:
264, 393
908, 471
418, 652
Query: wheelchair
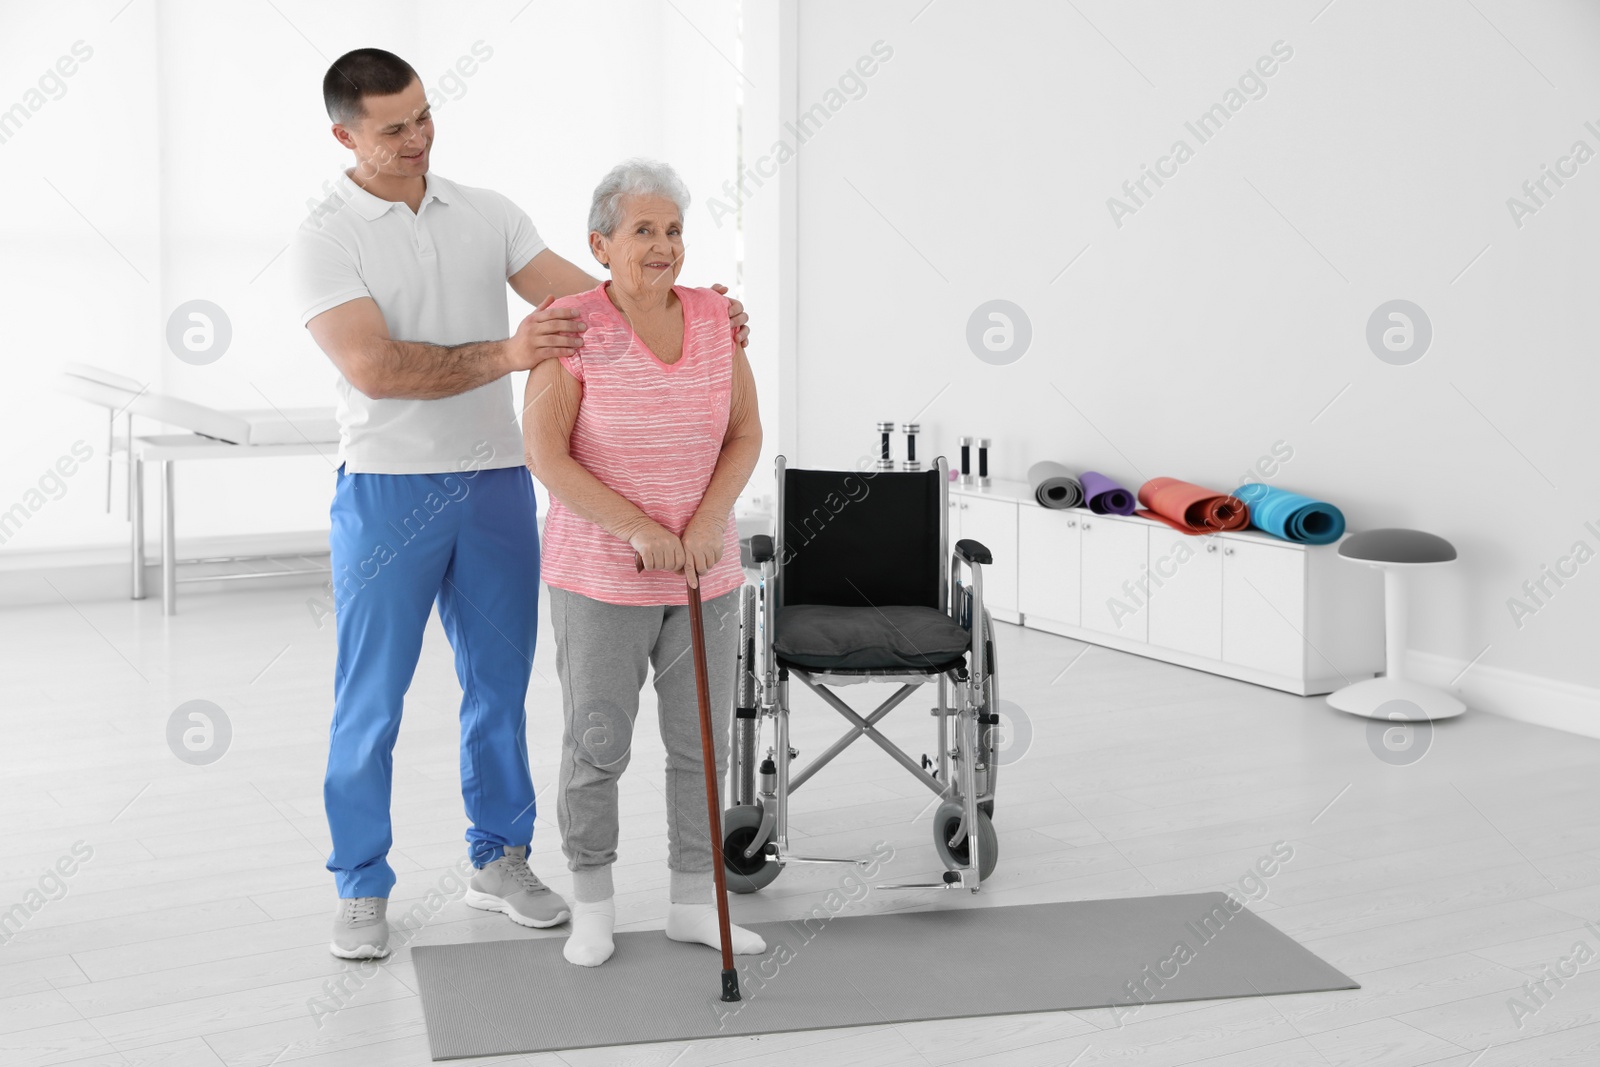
858, 583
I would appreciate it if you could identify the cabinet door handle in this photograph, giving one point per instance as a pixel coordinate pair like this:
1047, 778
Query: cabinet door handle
1086, 524
963, 507
1227, 552
1211, 548
1071, 523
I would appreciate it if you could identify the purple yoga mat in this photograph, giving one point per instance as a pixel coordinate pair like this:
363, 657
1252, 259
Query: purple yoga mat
1104, 496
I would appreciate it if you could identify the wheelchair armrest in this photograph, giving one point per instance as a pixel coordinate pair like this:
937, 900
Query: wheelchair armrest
761, 550
973, 552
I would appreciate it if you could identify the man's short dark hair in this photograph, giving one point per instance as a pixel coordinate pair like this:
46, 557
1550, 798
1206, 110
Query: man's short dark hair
364, 72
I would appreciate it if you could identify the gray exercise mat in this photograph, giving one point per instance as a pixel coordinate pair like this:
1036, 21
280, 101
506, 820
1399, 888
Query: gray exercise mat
496, 997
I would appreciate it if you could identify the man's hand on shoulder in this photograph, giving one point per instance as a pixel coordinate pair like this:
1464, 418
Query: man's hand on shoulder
736, 317
546, 334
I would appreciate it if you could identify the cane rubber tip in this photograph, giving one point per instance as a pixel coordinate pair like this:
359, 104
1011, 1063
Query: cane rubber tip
730, 985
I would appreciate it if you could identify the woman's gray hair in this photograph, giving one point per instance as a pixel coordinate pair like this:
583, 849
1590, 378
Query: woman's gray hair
634, 177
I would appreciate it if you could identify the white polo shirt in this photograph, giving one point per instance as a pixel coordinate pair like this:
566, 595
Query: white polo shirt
437, 276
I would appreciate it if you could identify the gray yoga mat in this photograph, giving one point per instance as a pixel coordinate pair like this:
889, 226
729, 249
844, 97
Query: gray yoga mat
1054, 486
496, 997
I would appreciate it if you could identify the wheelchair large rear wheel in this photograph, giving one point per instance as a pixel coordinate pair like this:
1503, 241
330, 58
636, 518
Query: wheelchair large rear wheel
740, 824
945, 821
990, 703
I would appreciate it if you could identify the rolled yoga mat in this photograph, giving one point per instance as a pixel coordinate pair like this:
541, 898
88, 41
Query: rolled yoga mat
1104, 496
1054, 486
1190, 508
1291, 516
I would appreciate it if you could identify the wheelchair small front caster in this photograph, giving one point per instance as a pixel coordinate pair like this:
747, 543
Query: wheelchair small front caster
746, 874
945, 822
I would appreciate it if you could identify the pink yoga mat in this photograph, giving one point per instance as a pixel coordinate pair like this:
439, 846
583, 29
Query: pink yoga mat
1190, 508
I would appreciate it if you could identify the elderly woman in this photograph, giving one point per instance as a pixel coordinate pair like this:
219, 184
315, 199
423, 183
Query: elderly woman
644, 439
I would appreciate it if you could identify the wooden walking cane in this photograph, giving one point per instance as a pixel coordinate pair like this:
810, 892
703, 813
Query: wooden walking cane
708, 757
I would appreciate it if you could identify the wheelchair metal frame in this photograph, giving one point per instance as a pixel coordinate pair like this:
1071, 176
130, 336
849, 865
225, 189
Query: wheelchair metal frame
763, 694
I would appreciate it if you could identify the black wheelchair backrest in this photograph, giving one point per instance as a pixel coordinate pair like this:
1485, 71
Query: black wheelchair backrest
857, 538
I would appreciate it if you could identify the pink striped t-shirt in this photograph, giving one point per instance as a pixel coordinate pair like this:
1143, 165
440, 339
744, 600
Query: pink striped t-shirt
652, 432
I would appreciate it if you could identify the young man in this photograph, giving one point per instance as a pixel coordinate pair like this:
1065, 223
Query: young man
400, 276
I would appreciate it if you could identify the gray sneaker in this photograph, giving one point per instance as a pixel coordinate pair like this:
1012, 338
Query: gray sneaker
507, 886
361, 929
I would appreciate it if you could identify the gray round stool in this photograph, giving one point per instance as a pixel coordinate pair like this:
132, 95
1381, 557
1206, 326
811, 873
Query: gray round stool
1394, 696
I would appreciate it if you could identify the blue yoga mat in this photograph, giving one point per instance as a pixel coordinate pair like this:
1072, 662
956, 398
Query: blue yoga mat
1291, 516
1104, 496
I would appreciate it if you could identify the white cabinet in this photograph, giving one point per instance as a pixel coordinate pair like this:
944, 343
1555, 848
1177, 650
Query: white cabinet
1228, 598
1264, 606
1114, 556
994, 524
1186, 592
1048, 589
1242, 604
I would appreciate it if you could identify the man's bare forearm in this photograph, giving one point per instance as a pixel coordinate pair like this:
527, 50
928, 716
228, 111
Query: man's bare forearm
414, 370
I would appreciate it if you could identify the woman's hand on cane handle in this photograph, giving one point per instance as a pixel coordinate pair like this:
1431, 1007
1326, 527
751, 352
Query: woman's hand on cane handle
690, 577
658, 549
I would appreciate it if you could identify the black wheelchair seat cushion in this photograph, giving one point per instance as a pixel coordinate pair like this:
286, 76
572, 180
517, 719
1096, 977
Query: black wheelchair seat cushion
830, 637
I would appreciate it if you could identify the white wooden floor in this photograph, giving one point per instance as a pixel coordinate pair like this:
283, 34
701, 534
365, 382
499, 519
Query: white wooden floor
196, 933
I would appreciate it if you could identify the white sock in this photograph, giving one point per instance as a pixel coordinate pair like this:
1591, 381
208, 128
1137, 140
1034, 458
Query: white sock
590, 944
698, 923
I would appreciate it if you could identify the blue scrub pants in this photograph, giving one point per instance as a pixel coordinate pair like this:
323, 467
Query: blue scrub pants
401, 542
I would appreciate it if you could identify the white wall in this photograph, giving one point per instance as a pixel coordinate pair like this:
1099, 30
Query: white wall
194, 139
1228, 312
80, 273
765, 204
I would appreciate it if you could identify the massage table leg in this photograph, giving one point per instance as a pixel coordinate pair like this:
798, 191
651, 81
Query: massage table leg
111, 448
169, 541
127, 503
136, 508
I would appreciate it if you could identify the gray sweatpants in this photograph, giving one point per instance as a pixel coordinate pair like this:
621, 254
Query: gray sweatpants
602, 651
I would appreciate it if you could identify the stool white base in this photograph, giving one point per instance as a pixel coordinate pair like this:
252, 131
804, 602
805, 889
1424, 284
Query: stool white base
1371, 697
